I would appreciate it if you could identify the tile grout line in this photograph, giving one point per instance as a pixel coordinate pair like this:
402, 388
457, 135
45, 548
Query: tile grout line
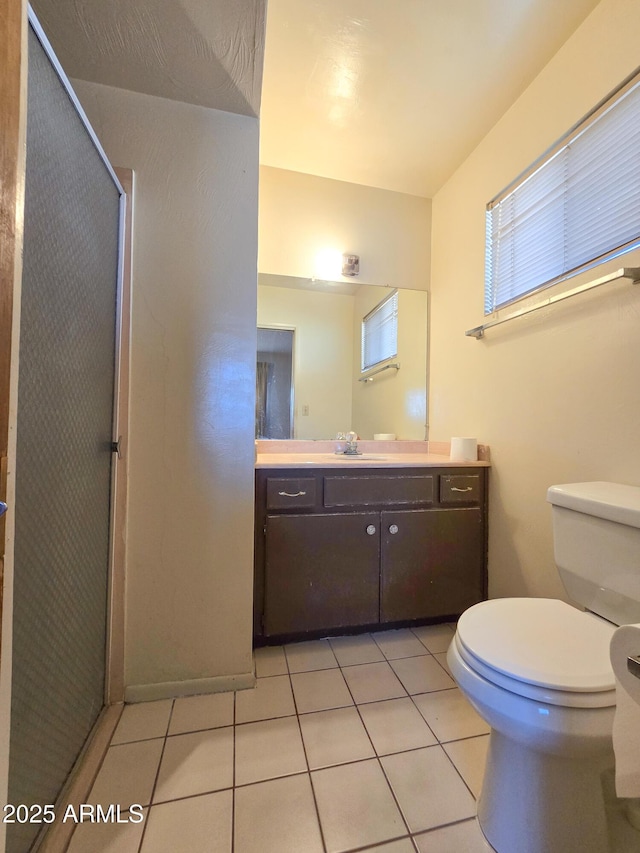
439, 742
233, 777
377, 757
453, 764
157, 774
306, 757
308, 770
377, 845
410, 696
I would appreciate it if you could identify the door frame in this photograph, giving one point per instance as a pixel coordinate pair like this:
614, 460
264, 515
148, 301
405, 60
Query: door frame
283, 327
13, 116
115, 646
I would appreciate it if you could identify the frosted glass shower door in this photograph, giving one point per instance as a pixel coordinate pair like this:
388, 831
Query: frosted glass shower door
64, 432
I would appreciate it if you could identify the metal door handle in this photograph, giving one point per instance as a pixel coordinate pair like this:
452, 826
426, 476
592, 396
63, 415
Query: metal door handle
456, 489
393, 528
290, 495
371, 529
3, 508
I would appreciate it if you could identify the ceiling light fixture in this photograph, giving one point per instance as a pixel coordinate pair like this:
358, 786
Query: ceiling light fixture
350, 265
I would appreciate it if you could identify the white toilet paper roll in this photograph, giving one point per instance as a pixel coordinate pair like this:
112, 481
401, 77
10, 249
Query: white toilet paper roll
625, 643
464, 450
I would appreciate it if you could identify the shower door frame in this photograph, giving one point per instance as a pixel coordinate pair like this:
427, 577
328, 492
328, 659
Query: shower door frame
114, 670
13, 110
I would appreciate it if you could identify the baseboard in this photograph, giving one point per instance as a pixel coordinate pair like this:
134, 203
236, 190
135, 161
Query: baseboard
56, 838
191, 687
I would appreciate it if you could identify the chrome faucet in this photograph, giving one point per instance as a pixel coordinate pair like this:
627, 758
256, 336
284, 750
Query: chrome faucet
352, 444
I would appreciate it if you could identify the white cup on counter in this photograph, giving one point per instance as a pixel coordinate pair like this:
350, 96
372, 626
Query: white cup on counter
464, 449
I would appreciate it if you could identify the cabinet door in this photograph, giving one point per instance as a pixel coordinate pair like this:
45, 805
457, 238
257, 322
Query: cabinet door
432, 563
322, 572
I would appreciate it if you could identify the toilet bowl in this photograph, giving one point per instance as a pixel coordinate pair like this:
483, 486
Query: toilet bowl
550, 735
538, 672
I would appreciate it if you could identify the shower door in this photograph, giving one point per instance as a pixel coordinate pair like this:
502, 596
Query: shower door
64, 433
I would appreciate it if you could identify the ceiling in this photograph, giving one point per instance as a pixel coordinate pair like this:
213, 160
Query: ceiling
397, 93
205, 52
392, 94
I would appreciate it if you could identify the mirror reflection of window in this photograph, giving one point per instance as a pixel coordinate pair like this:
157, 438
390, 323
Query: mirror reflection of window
380, 333
328, 393
274, 386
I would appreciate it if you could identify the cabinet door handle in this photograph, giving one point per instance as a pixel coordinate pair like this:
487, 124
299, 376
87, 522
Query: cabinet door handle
371, 529
393, 528
290, 495
456, 489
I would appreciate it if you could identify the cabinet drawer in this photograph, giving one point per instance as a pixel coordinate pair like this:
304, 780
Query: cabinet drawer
378, 490
296, 493
460, 489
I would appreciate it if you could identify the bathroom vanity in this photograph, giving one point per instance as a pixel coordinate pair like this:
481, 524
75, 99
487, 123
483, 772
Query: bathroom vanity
383, 539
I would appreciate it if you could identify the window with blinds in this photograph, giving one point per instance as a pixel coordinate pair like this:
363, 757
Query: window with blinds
578, 206
380, 333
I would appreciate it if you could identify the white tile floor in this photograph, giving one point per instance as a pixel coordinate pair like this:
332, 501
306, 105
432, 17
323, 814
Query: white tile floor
352, 743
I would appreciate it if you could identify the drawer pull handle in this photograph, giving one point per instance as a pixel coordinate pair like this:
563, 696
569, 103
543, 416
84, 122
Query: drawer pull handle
456, 489
393, 528
371, 529
290, 495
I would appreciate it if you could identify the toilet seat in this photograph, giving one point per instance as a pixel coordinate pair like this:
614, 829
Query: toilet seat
540, 648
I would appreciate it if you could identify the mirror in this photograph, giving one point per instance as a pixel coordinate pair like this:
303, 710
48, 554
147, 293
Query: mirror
328, 394
274, 383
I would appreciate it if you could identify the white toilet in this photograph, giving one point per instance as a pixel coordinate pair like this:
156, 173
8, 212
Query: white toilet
538, 671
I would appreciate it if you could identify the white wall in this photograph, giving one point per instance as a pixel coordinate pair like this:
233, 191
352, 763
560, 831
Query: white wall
556, 395
323, 348
395, 401
189, 564
301, 215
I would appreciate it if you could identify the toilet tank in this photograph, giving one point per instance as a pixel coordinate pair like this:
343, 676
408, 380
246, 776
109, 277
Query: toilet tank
596, 538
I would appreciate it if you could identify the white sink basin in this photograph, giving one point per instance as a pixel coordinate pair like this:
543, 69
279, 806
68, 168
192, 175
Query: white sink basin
378, 456
319, 458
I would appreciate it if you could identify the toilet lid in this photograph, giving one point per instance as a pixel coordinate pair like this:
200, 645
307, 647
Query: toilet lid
541, 641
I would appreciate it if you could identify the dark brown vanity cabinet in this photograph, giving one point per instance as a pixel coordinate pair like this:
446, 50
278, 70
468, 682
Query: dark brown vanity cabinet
432, 563
340, 549
321, 572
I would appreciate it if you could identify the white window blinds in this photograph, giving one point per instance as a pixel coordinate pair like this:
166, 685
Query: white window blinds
579, 206
380, 332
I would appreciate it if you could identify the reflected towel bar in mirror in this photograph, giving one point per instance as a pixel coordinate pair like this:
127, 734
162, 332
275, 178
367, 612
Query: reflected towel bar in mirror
369, 376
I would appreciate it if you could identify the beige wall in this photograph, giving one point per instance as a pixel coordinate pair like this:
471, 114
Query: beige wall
557, 394
301, 215
396, 400
323, 368
189, 562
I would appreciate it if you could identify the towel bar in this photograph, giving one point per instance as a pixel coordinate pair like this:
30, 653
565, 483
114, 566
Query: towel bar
632, 273
369, 376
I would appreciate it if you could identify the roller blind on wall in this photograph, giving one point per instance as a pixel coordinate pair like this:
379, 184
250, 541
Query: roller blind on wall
380, 332
578, 206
